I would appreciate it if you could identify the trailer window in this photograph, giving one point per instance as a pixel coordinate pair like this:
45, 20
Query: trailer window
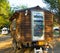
37, 25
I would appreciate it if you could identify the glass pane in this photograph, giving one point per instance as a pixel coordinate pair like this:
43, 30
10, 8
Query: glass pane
37, 25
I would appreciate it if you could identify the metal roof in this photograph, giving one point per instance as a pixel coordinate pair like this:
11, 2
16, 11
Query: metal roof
32, 8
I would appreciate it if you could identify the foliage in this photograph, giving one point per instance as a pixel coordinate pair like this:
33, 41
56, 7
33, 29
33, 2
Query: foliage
55, 6
4, 13
14, 8
23, 7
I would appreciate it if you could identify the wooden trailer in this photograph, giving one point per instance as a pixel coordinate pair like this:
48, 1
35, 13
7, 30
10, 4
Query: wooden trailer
32, 27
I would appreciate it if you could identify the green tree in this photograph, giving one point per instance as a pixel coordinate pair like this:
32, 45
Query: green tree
23, 7
54, 5
4, 12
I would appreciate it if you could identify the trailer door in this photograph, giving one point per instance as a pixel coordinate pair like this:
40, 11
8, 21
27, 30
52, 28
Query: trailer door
37, 18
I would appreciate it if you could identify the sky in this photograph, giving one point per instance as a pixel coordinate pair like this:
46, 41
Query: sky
29, 3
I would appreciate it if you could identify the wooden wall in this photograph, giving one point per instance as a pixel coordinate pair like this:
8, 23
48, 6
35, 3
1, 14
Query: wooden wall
48, 25
24, 26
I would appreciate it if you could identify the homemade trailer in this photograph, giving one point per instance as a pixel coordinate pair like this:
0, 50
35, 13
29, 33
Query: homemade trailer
32, 27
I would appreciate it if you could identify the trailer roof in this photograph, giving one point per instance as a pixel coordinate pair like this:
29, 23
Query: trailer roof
32, 8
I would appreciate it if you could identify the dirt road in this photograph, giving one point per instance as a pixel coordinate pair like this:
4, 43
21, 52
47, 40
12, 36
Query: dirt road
5, 42
10, 50
6, 46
